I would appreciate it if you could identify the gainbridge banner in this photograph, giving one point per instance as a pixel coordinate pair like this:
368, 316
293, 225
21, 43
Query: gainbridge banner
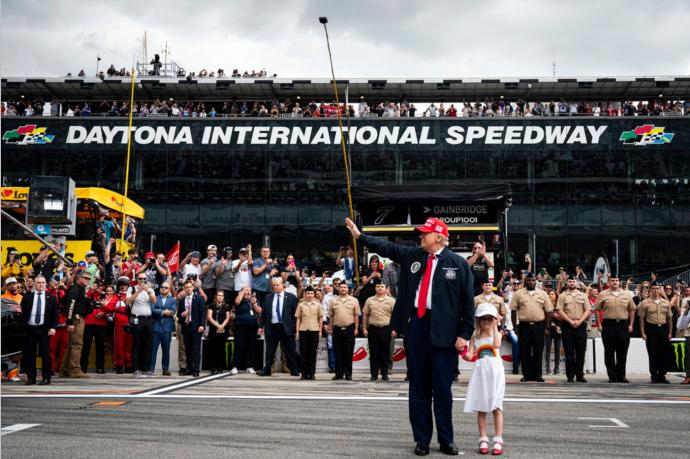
304, 134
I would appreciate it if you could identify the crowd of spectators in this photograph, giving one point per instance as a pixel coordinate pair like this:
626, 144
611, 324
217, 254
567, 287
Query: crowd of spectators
314, 109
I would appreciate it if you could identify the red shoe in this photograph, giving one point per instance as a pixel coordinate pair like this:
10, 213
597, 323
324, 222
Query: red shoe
498, 448
484, 445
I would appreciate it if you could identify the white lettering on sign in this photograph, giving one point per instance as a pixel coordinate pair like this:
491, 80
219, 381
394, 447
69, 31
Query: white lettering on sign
329, 135
476, 209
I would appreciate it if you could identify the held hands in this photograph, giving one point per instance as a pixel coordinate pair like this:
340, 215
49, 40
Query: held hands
350, 225
460, 344
200, 329
394, 334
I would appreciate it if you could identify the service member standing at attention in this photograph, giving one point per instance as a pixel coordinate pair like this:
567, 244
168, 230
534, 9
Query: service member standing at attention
343, 313
435, 309
376, 320
573, 309
618, 312
488, 296
533, 307
308, 322
40, 320
656, 325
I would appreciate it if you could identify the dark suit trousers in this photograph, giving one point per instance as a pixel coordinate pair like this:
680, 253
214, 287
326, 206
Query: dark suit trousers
431, 370
616, 339
531, 336
217, 343
142, 338
287, 346
92, 332
575, 344
379, 349
344, 346
657, 349
308, 345
32, 337
192, 346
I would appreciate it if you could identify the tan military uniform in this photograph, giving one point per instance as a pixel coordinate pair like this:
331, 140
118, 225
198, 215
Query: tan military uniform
310, 314
573, 304
378, 310
655, 312
531, 306
342, 311
496, 300
615, 305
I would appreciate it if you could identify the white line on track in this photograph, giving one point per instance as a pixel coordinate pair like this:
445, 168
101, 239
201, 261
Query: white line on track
333, 398
16, 428
191, 382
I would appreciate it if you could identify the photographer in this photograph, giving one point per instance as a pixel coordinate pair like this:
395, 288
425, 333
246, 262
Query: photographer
346, 260
480, 265
14, 266
78, 307
96, 324
156, 269
191, 265
141, 303
242, 268
225, 276
207, 276
122, 338
263, 270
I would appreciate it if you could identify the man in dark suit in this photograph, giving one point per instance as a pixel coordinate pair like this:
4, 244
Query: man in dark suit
191, 309
40, 313
435, 310
279, 326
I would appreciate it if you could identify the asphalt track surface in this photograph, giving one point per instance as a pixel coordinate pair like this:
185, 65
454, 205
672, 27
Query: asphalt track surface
281, 416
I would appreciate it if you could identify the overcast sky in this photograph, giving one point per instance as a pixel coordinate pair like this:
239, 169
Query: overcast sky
381, 38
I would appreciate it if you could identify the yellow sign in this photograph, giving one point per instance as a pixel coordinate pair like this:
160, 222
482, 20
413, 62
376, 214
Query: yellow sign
27, 251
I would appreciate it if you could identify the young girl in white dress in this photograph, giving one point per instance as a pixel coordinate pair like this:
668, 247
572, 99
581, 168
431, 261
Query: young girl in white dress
486, 388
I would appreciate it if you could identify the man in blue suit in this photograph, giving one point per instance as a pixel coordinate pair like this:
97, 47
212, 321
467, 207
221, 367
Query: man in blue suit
279, 326
163, 326
192, 312
435, 310
40, 315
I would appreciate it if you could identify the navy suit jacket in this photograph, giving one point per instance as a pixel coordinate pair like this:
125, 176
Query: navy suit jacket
198, 312
452, 292
160, 323
288, 309
50, 310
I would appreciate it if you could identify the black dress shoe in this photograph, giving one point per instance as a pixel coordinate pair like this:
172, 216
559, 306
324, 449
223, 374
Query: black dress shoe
45, 382
571, 379
331, 370
420, 449
373, 378
348, 378
581, 379
30, 382
195, 374
539, 379
312, 377
612, 380
663, 381
119, 370
100, 371
523, 379
384, 378
337, 378
183, 372
516, 371
624, 381
450, 449
263, 373
294, 373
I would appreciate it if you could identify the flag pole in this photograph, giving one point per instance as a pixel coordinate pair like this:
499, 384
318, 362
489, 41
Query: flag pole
129, 149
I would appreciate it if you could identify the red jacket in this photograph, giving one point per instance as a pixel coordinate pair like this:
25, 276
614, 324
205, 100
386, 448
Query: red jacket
58, 295
120, 310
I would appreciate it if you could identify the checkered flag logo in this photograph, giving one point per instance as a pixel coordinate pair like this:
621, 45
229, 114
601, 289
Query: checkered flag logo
29, 134
646, 135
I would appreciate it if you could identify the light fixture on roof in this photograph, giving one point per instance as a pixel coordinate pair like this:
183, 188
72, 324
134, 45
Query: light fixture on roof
661, 95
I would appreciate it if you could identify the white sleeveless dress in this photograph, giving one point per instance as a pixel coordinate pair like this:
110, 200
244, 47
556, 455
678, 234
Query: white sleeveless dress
487, 385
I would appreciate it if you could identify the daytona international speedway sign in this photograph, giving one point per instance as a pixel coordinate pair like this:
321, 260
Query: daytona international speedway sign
277, 133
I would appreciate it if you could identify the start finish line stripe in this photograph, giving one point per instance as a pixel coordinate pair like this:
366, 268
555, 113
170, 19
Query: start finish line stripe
16, 428
336, 398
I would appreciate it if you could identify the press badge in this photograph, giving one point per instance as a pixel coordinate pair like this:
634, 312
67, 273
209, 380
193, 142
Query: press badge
136, 321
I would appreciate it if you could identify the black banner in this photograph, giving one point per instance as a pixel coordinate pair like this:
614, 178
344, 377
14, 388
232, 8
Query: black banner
304, 134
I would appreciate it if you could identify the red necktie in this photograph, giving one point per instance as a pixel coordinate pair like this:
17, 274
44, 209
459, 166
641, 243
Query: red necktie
424, 289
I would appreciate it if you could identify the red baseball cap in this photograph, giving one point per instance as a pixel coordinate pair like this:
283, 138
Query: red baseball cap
433, 225
149, 255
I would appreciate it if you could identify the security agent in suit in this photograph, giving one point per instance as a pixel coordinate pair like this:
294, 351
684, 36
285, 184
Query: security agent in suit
40, 313
191, 309
435, 309
279, 326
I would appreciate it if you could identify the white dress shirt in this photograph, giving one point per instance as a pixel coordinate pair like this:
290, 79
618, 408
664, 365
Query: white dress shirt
274, 316
434, 263
38, 305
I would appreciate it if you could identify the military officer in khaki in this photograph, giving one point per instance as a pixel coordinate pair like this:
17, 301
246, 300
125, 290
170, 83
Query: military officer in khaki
533, 309
656, 327
618, 314
573, 309
343, 314
376, 319
309, 315
488, 296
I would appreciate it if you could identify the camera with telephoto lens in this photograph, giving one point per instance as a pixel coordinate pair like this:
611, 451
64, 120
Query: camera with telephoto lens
192, 277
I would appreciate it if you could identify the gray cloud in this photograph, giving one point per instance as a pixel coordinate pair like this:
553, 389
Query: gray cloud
386, 38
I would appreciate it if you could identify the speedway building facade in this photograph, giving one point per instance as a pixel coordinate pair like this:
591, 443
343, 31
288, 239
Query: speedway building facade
580, 187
